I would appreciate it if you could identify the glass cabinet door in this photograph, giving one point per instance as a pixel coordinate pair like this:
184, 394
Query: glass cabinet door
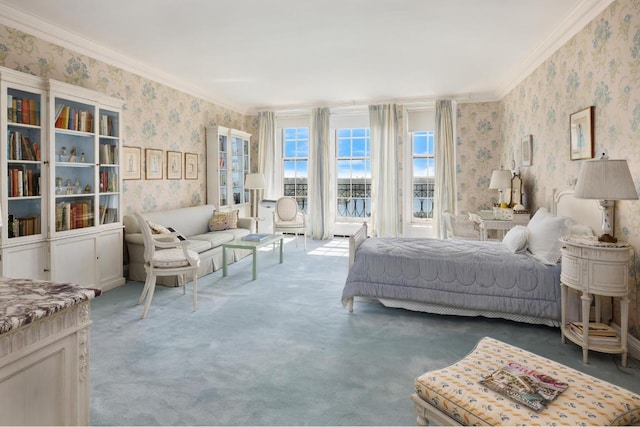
109, 158
222, 170
24, 164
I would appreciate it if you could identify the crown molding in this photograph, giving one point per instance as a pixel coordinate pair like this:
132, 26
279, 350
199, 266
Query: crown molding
29, 24
582, 15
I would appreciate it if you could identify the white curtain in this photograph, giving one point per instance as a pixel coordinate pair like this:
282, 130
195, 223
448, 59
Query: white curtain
445, 167
385, 211
266, 152
319, 183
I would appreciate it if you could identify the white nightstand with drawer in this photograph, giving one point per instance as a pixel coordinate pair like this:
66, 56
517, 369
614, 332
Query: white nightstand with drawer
595, 269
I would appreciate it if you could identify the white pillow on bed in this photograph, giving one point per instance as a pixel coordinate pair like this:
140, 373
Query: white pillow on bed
545, 231
580, 230
516, 239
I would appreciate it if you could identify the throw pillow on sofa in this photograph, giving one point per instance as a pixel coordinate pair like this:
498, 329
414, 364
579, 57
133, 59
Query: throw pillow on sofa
157, 228
223, 220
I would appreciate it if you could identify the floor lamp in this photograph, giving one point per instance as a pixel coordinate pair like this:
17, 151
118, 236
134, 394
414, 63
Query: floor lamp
254, 182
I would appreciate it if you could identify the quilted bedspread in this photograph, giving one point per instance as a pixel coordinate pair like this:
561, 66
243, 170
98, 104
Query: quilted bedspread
455, 273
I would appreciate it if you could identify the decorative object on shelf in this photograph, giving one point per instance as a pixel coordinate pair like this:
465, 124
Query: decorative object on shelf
606, 180
190, 166
174, 165
527, 150
254, 182
62, 157
87, 188
82, 157
131, 163
154, 163
500, 180
73, 155
581, 133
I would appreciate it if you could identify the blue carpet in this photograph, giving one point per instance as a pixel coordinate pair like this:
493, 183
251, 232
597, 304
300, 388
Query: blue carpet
282, 350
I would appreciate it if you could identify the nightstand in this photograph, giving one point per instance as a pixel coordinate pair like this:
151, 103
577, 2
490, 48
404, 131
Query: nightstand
502, 220
595, 269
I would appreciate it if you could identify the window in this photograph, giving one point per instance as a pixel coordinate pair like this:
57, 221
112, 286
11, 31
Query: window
354, 173
423, 175
296, 164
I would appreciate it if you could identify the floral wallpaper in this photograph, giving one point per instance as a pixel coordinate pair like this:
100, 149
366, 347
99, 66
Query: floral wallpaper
155, 116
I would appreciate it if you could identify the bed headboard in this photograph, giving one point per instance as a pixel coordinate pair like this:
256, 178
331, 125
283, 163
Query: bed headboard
584, 211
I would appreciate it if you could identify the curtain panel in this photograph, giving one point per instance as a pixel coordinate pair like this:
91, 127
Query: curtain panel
385, 197
445, 166
266, 153
319, 183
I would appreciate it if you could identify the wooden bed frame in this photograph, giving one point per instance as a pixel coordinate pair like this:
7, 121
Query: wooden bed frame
583, 211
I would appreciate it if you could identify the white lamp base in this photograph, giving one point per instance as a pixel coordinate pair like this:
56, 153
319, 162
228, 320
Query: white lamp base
606, 223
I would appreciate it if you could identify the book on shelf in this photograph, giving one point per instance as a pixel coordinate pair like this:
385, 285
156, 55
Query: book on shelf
255, 237
599, 333
531, 388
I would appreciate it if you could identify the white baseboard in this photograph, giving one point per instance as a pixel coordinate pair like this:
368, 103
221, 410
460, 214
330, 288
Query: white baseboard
633, 344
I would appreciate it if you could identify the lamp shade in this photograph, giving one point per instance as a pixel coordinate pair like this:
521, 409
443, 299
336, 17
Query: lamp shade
254, 181
605, 179
500, 179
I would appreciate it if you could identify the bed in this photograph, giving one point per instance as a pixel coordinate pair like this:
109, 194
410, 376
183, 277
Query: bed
471, 278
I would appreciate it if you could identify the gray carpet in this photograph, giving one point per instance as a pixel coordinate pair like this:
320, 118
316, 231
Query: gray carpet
282, 350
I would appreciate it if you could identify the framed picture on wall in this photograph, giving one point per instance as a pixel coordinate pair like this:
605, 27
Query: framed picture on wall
132, 160
153, 163
174, 165
190, 166
581, 132
527, 149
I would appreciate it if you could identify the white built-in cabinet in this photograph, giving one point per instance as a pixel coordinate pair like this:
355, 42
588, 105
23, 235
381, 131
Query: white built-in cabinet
61, 205
228, 163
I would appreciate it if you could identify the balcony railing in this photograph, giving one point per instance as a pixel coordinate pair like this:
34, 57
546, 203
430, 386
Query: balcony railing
354, 200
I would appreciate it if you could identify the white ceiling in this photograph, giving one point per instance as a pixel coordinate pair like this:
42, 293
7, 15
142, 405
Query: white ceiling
283, 54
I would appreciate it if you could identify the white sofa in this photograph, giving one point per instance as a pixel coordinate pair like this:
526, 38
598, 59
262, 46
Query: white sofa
193, 223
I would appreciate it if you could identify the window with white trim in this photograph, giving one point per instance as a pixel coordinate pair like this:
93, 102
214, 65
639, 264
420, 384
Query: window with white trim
353, 157
423, 174
295, 164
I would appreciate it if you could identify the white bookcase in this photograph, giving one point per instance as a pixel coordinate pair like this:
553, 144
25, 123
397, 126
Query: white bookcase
228, 163
23, 151
85, 208
61, 205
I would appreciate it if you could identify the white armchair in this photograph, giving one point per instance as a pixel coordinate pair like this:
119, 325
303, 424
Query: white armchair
460, 227
173, 259
287, 218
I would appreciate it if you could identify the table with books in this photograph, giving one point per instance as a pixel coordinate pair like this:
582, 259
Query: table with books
500, 384
252, 242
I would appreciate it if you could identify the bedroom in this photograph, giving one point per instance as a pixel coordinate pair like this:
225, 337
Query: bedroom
598, 67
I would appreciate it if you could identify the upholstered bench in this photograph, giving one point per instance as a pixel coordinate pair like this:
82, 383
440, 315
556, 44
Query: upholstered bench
454, 396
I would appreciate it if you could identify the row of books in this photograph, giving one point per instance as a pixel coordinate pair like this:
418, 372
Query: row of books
108, 181
23, 182
599, 333
73, 215
109, 154
107, 125
221, 163
23, 110
108, 215
20, 147
23, 226
73, 119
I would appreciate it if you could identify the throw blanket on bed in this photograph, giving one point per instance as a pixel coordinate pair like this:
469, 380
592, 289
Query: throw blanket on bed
456, 273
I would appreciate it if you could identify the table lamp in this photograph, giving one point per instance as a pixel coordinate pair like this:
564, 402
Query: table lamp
606, 181
254, 182
500, 179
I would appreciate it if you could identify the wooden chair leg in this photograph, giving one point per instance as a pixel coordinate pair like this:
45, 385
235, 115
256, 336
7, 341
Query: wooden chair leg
150, 292
145, 290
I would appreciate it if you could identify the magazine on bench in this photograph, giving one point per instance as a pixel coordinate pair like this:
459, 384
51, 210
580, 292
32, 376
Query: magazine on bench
524, 385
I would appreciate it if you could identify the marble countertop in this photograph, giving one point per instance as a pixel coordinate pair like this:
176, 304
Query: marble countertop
24, 301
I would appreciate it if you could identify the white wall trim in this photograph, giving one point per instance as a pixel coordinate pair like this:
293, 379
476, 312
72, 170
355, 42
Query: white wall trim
29, 24
584, 13
633, 344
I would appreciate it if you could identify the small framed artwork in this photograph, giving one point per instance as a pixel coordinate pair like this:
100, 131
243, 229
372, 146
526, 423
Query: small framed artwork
174, 165
154, 163
190, 166
132, 158
581, 131
527, 149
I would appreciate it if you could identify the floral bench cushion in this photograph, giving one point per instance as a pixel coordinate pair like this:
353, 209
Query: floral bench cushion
456, 392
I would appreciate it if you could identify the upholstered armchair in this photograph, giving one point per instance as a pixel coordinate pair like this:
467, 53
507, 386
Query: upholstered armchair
287, 218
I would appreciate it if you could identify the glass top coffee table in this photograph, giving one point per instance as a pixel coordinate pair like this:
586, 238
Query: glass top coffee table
253, 246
